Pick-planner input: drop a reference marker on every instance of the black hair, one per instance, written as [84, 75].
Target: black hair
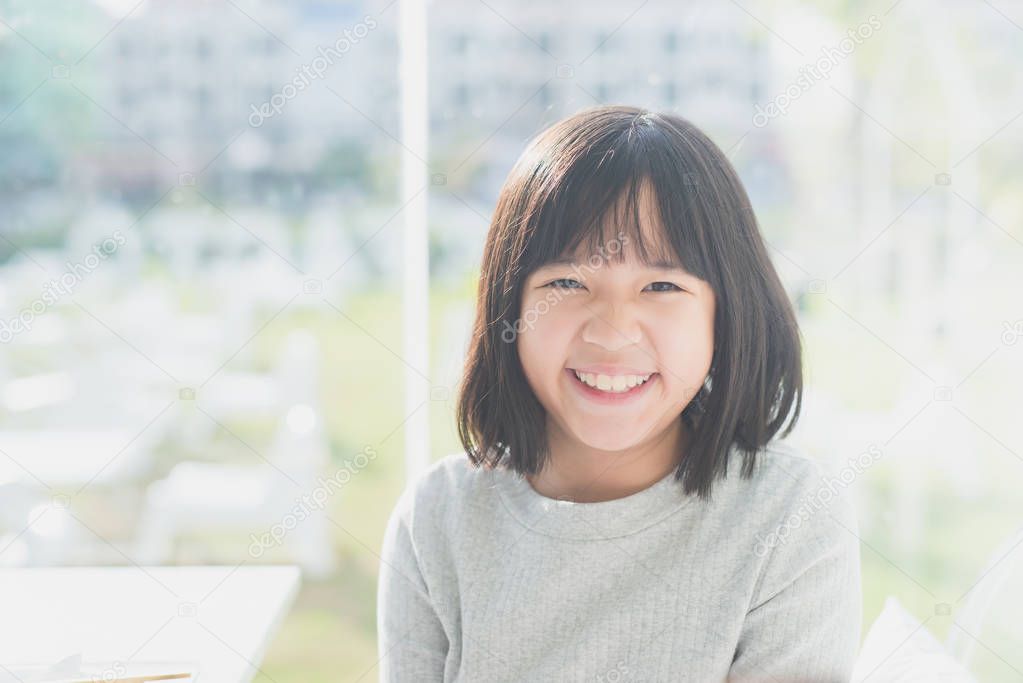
[559, 196]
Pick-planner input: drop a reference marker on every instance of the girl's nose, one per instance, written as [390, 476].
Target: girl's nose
[612, 326]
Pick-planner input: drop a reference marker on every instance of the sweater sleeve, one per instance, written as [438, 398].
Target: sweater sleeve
[411, 641]
[805, 617]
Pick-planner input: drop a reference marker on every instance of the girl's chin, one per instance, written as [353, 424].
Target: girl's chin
[607, 437]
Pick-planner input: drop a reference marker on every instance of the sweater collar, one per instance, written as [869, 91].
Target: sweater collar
[587, 521]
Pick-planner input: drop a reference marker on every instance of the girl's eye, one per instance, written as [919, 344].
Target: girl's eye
[670, 284]
[569, 283]
[559, 283]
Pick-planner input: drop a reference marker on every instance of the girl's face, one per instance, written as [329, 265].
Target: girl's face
[614, 322]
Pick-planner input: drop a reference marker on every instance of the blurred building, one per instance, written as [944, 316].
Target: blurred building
[188, 82]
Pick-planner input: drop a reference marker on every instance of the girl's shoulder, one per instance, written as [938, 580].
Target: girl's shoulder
[445, 487]
[783, 459]
[787, 480]
[780, 461]
[451, 475]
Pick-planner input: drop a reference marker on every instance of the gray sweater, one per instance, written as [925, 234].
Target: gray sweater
[484, 579]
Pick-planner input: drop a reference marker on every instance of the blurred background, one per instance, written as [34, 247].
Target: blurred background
[201, 270]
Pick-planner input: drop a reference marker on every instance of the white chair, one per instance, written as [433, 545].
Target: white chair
[991, 615]
[266, 501]
[985, 642]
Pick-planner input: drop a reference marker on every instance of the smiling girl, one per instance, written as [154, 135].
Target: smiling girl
[624, 510]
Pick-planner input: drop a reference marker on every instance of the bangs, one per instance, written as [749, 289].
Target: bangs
[615, 202]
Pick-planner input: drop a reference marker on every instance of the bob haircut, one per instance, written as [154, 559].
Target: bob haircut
[575, 180]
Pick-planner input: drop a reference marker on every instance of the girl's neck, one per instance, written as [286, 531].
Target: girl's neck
[583, 474]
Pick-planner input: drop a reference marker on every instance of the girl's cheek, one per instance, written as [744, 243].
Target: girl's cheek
[690, 350]
[544, 340]
[540, 312]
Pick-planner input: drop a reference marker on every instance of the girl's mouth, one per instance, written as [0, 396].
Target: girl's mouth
[610, 397]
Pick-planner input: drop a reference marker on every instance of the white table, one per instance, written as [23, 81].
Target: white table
[220, 617]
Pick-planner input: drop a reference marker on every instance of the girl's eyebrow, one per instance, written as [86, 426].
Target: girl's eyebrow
[564, 261]
[666, 265]
[658, 264]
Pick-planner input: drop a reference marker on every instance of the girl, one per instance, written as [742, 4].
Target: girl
[622, 511]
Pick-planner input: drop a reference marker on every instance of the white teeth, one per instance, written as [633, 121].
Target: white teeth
[612, 384]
